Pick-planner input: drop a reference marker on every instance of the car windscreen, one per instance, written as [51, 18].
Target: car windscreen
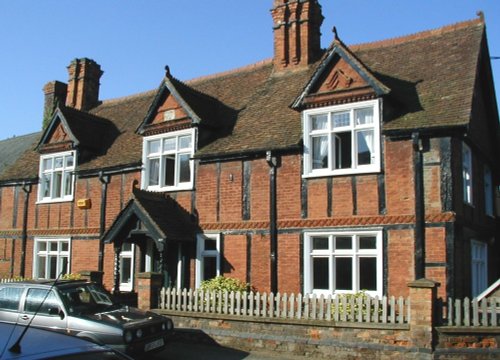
[86, 298]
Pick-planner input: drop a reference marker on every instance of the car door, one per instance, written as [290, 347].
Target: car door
[10, 298]
[44, 309]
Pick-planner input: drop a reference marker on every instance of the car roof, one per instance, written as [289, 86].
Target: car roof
[38, 343]
[45, 282]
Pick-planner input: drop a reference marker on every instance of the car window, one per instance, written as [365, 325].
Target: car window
[85, 299]
[10, 297]
[40, 301]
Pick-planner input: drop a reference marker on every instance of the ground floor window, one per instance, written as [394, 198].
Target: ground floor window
[207, 257]
[343, 262]
[51, 258]
[479, 270]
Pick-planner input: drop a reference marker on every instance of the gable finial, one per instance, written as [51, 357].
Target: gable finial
[335, 33]
[480, 14]
[167, 71]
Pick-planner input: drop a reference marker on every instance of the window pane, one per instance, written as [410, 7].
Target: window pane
[69, 161]
[210, 244]
[364, 116]
[185, 168]
[169, 144]
[46, 185]
[42, 246]
[126, 247]
[185, 142]
[58, 162]
[343, 273]
[154, 172]
[42, 260]
[56, 185]
[343, 242]
[367, 242]
[125, 270]
[52, 267]
[320, 274]
[367, 274]
[365, 147]
[53, 246]
[47, 164]
[320, 152]
[320, 243]
[154, 147]
[170, 170]
[63, 265]
[319, 122]
[343, 149]
[341, 119]
[209, 267]
[68, 184]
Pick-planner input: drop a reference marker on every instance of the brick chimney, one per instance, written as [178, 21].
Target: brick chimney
[83, 84]
[297, 33]
[55, 92]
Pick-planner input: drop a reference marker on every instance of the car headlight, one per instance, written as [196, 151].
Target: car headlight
[138, 333]
[128, 336]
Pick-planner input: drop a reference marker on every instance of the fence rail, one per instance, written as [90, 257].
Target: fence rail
[356, 309]
[472, 312]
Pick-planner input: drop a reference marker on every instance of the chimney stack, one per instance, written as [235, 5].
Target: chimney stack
[55, 92]
[83, 84]
[297, 33]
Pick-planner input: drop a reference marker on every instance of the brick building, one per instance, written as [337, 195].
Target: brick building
[321, 170]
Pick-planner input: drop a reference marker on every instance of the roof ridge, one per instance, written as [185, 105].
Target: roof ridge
[249, 67]
[126, 97]
[419, 35]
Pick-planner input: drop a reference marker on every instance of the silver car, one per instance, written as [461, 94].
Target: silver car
[85, 310]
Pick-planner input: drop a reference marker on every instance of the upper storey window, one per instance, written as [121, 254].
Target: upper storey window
[57, 177]
[167, 161]
[343, 139]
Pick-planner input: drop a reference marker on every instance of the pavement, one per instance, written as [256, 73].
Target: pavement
[186, 351]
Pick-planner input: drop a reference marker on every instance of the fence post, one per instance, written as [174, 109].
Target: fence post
[148, 290]
[423, 297]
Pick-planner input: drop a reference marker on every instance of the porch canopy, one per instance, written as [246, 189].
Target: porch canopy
[150, 217]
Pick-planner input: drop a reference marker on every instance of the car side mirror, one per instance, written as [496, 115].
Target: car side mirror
[56, 311]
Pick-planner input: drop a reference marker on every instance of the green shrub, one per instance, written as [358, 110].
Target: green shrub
[71, 277]
[352, 301]
[224, 283]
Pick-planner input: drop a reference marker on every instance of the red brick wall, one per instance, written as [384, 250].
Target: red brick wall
[400, 262]
[235, 257]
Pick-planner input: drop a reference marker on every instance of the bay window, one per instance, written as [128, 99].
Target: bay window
[167, 161]
[343, 262]
[343, 139]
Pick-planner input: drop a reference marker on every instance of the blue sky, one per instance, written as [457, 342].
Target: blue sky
[133, 40]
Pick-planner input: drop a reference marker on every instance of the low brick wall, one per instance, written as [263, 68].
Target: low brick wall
[467, 343]
[300, 338]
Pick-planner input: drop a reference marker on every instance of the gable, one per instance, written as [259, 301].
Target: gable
[340, 78]
[60, 134]
[169, 110]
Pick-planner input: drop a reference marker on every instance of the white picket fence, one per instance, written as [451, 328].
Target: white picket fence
[359, 309]
[473, 313]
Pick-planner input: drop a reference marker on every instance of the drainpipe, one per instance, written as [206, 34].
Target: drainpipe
[272, 161]
[419, 206]
[104, 179]
[24, 236]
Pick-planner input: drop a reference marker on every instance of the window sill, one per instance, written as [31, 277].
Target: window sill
[169, 189]
[346, 172]
[54, 201]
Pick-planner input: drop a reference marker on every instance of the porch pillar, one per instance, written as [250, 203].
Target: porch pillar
[116, 289]
[148, 290]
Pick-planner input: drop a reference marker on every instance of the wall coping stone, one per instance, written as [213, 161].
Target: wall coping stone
[423, 283]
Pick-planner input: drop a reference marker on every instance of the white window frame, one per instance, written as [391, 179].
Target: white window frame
[331, 254]
[201, 254]
[129, 254]
[331, 132]
[40, 254]
[489, 194]
[467, 177]
[161, 155]
[479, 267]
[64, 170]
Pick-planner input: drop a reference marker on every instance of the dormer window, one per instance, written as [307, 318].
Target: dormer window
[57, 177]
[343, 139]
[167, 161]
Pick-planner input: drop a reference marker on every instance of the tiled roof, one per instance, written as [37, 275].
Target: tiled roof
[18, 160]
[431, 76]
